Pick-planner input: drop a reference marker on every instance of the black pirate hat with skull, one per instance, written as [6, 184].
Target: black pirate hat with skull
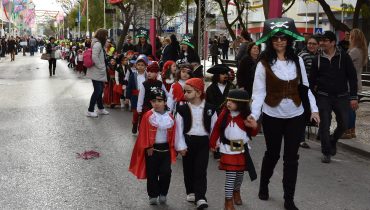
[279, 25]
[142, 32]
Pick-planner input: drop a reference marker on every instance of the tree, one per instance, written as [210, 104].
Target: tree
[166, 12]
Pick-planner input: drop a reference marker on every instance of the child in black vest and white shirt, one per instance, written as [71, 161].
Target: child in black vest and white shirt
[195, 121]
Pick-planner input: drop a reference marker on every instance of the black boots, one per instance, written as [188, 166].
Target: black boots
[289, 181]
[134, 128]
[268, 165]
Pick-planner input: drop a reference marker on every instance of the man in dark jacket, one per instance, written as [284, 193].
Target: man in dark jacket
[333, 78]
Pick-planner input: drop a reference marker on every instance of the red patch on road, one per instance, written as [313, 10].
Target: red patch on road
[88, 155]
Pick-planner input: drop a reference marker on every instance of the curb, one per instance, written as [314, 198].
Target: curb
[352, 146]
[355, 147]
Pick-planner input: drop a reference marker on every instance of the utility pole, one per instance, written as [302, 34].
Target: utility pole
[87, 19]
[317, 15]
[153, 27]
[104, 15]
[276, 7]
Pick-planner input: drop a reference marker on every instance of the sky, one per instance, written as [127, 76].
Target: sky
[51, 5]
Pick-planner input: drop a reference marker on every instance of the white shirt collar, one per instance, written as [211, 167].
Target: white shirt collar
[199, 106]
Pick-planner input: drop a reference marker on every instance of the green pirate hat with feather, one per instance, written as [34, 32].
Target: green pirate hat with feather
[187, 39]
[279, 25]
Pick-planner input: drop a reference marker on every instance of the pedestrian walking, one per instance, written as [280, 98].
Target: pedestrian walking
[359, 55]
[224, 45]
[12, 48]
[98, 73]
[243, 47]
[110, 97]
[154, 150]
[193, 126]
[276, 95]
[214, 52]
[247, 67]
[231, 136]
[333, 78]
[51, 48]
[32, 46]
[187, 54]
[308, 54]
[137, 77]
[151, 82]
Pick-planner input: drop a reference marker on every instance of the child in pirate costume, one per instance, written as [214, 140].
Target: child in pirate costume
[120, 75]
[194, 123]
[169, 74]
[231, 135]
[143, 103]
[137, 77]
[176, 94]
[154, 148]
[216, 93]
[110, 97]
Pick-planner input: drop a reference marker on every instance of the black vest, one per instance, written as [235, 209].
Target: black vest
[184, 111]
[148, 84]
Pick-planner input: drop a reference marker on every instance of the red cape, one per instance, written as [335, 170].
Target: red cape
[215, 135]
[145, 140]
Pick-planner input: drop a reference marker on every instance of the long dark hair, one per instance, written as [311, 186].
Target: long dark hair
[101, 35]
[269, 54]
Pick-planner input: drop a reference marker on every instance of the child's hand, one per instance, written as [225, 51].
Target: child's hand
[183, 152]
[150, 151]
[126, 101]
[250, 122]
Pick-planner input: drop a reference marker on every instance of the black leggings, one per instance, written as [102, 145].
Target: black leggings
[52, 66]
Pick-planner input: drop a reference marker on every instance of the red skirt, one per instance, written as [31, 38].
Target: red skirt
[80, 66]
[232, 162]
[110, 97]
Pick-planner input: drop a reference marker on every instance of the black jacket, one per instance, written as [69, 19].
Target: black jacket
[191, 57]
[215, 97]
[145, 49]
[245, 74]
[334, 78]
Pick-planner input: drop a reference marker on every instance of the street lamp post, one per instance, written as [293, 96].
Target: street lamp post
[153, 28]
[87, 19]
[247, 3]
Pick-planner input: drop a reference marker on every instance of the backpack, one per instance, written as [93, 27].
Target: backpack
[87, 58]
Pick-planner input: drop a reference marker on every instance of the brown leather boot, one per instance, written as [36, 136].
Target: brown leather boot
[347, 134]
[353, 132]
[237, 198]
[229, 205]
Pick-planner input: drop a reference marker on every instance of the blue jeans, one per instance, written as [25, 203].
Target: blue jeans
[97, 95]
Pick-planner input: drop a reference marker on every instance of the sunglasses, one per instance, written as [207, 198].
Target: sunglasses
[282, 38]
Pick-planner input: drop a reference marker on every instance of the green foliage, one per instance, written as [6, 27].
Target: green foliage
[365, 11]
[171, 7]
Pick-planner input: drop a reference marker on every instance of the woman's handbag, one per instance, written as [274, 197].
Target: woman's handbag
[118, 89]
[45, 56]
[58, 54]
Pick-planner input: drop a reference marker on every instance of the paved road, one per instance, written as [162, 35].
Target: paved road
[43, 126]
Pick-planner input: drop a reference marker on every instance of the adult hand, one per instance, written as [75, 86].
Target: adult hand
[123, 87]
[126, 101]
[315, 117]
[150, 151]
[354, 104]
[250, 122]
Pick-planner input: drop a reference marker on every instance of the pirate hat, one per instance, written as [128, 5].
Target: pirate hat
[142, 32]
[157, 93]
[219, 69]
[198, 71]
[187, 39]
[279, 25]
[238, 95]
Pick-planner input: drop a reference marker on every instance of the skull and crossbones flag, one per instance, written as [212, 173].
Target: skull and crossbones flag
[279, 25]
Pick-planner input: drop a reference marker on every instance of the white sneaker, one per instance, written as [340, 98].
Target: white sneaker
[162, 199]
[91, 114]
[102, 112]
[152, 201]
[201, 204]
[190, 197]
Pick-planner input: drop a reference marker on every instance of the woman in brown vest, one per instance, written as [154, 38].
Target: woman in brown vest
[275, 96]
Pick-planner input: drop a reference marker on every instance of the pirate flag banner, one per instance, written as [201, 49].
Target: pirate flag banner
[142, 32]
[279, 25]
[187, 39]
